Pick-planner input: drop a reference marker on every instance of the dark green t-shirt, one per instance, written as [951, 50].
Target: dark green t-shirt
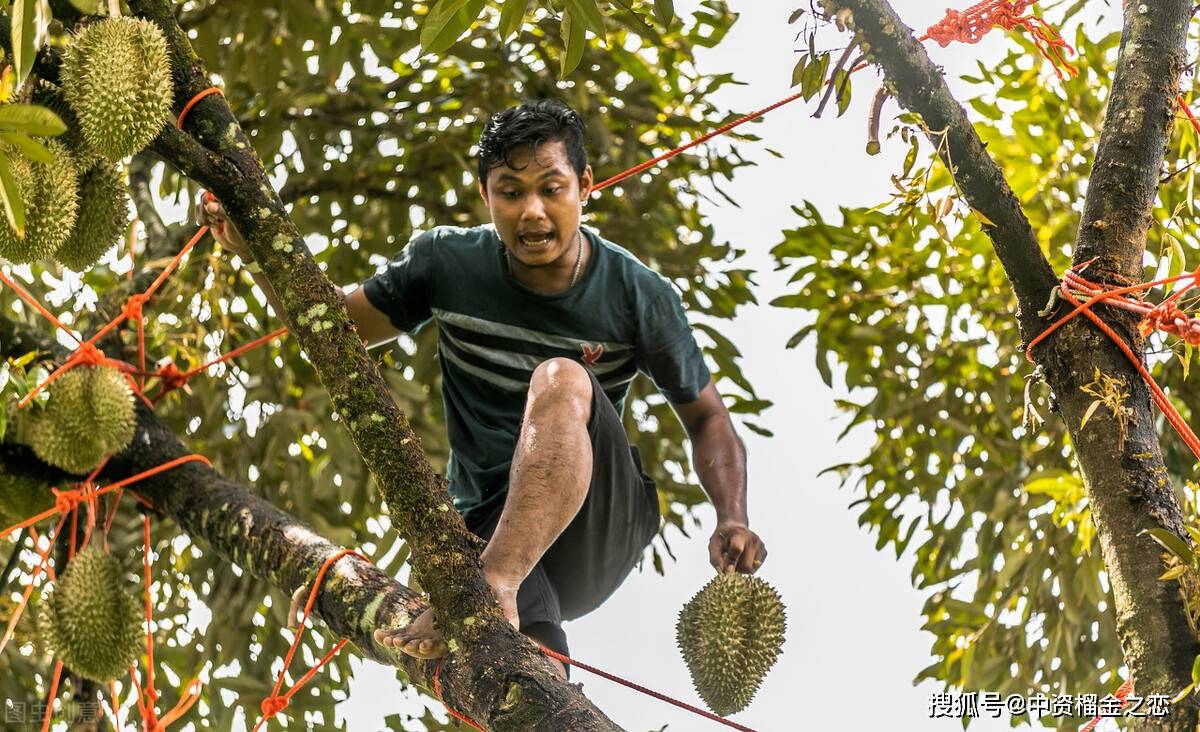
[619, 319]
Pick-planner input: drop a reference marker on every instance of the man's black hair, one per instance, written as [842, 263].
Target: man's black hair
[528, 126]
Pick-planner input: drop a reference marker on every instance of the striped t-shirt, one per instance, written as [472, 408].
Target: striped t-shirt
[619, 318]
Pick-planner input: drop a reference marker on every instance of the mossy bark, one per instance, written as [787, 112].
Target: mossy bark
[1128, 487]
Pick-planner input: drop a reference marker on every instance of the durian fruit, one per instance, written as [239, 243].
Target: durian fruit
[116, 74]
[53, 99]
[48, 191]
[103, 215]
[89, 415]
[90, 619]
[22, 497]
[730, 635]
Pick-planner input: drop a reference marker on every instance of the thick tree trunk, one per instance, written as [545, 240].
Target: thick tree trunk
[1128, 487]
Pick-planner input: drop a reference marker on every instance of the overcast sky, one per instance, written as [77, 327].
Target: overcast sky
[854, 642]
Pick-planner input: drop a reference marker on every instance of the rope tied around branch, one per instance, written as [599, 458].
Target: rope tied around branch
[972, 24]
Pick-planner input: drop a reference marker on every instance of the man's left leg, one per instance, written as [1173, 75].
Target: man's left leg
[551, 471]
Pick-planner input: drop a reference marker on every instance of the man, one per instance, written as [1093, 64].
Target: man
[542, 325]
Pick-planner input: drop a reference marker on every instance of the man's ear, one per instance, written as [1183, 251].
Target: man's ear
[483, 193]
[585, 184]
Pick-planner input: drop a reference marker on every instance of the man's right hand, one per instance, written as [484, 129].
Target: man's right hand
[209, 212]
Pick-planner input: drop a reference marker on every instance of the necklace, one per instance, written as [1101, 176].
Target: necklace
[578, 259]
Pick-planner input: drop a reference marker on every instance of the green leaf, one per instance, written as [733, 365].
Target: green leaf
[446, 22]
[87, 7]
[24, 32]
[1196, 670]
[575, 40]
[1174, 572]
[587, 11]
[30, 119]
[1090, 411]
[29, 147]
[1175, 258]
[511, 17]
[1171, 543]
[14, 209]
[813, 77]
[664, 10]
[798, 70]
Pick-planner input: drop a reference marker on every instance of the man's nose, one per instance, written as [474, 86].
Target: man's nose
[534, 210]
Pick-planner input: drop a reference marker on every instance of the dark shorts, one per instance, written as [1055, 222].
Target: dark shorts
[601, 545]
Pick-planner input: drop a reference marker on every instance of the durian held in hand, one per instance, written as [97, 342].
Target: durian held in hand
[91, 618]
[730, 634]
[89, 414]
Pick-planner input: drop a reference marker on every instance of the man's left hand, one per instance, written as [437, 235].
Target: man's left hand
[735, 548]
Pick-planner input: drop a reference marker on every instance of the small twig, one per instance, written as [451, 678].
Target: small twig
[830, 87]
[873, 121]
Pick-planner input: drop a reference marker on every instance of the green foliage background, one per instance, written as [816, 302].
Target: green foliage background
[908, 305]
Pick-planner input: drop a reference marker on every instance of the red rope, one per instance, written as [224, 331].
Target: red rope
[972, 24]
[1151, 318]
[687, 146]
[1123, 693]
[193, 101]
[437, 689]
[49, 714]
[191, 693]
[43, 566]
[276, 702]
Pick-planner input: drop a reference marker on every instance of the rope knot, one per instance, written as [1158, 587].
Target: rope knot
[133, 306]
[66, 501]
[171, 377]
[273, 705]
[972, 24]
[88, 354]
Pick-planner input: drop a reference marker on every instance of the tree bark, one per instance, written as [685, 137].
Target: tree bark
[1127, 483]
[489, 661]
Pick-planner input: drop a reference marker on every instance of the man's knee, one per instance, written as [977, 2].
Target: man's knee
[561, 383]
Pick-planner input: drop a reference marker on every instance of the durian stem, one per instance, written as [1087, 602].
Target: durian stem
[114, 8]
[12, 560]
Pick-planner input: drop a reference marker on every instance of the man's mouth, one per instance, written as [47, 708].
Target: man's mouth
[536, 239]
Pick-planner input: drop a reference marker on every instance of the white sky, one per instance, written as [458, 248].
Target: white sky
[854, 642]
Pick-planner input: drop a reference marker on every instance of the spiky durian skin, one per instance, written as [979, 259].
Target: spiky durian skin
[89, 415]
[103, 216]
[117, 76]
[731, 634]
[22, 497]
[53, 99]
[90, 620]
[48, 191]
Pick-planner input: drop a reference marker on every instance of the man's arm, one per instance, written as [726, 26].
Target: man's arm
[719, 458]
[374, 326]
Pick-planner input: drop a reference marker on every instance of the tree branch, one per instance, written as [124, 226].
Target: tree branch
[920, 86]
[143, 200]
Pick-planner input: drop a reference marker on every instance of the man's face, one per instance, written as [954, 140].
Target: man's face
[536, 206]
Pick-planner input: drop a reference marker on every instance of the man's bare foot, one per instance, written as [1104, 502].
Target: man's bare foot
[422, 639]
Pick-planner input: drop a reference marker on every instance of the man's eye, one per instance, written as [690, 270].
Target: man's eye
[552, 191]
[510, 194]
